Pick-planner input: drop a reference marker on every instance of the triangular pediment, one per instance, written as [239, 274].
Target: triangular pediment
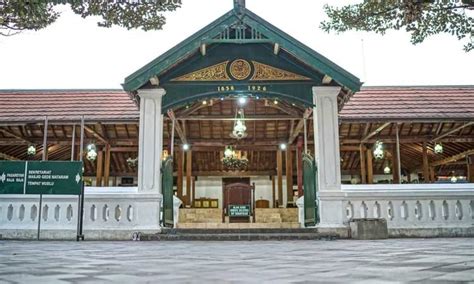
[240, 69]
[244, 28]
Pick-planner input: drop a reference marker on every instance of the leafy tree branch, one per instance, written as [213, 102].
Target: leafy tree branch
[421, 18]
[18, 15]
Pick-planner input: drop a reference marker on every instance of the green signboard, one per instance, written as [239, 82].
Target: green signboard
[34, 177]
[239, 210]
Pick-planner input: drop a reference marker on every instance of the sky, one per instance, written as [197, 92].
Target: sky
[74, 53]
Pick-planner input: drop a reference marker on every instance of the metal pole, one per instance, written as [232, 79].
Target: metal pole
[172, 137]
[398, 155]
[305, 137]
[80, 199]
[81, 149]
[39, 215]
[45, 149]
[45, 138]
[73, 141]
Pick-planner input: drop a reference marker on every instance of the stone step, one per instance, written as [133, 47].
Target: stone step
[220, 225]
[249, 234]
[238, 237]
[173, 231]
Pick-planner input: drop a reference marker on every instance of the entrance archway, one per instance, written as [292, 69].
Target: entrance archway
[240, 55]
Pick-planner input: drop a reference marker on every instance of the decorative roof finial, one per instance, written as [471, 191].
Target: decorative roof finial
[239, 4]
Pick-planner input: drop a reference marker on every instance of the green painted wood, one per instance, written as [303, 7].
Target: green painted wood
[167, 189]
[191, 46]
[303, 52]
[178, 53]
[310, 188]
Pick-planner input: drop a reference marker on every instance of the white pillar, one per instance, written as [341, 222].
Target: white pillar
[150, 141]
[327, 155]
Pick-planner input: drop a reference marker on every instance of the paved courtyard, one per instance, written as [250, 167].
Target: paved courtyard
[428, 260]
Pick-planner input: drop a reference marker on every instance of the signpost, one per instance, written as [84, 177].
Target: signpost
[239, 210]
[35, 177]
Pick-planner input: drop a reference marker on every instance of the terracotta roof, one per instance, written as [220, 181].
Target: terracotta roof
[66, 105]
[411, 103]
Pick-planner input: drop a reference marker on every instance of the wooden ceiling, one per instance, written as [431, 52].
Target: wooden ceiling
[206, 127]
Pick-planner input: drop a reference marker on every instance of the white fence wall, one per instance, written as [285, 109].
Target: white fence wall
[109, 213]
[446, 208]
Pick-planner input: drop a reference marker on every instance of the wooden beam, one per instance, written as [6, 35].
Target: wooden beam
[363, 166]
[289, 173]
[395, 167]
[123, 149]
[233, 174]
[192, 109]
[9, 133]
[300, 126]
[406, 140]
[470, 169]
[453, 158]
[432, 174]
[179, 182]
[284, 108]
[99, 168]
[274, 193]
[189, 169]
[375, 132]
[257, 117]
[177, 127]
[107, 166]
[370, 167]
[299, 165]
[4, 156]
[437, 138]
[426, 165]
[280, 178]
[193, 188]
[96, 134]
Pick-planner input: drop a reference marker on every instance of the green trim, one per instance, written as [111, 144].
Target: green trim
[191, 45]
[303, 52]
[178, 53]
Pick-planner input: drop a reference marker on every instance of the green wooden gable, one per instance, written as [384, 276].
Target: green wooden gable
[240, 53]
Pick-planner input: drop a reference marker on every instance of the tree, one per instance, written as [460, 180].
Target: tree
[421, 18]
[19, 15]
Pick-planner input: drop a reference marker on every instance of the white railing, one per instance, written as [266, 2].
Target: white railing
[409, 206]
[109, 213]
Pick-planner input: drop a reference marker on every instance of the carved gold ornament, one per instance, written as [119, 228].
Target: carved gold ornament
[212, 73]
[265, 72]
[240, 69]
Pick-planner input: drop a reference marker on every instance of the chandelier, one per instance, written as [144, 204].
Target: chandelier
[239, 126]
[438, 148]
[378, 150]
[234, 160]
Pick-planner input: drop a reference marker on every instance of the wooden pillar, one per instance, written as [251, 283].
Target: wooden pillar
[289, 174]
[432, 174]
[426, 164]
[179, 182]
[363, 166]
[299, 165]
[189, 169]
[273, 192]
[194, 192]
[99, 167]
[280, 178]
[395, 167]
[370, 167]
[470, 168]
[107, 165]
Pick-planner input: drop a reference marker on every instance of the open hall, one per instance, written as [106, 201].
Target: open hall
[241, 126]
